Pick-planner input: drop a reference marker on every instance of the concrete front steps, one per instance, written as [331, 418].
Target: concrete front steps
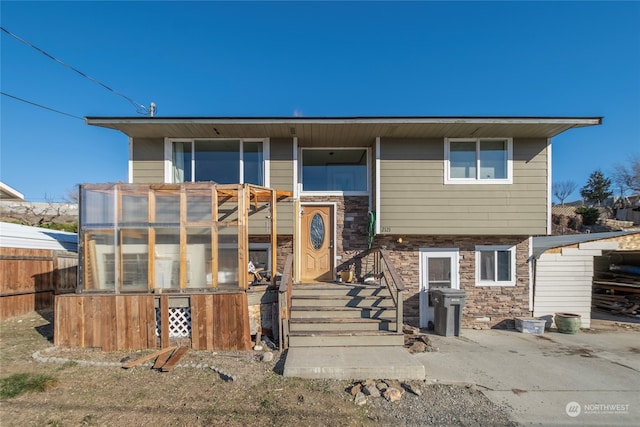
[342, 315]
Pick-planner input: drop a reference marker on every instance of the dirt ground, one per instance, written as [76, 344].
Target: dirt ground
[102, 393]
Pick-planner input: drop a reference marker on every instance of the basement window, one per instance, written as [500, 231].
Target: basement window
[495, 265]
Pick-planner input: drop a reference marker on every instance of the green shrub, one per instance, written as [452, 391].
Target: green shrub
[589, 214]
[23, 383]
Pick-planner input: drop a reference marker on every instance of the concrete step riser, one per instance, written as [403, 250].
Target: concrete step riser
[347, 313]
[299, 326]
[339, 341]
[341, 302]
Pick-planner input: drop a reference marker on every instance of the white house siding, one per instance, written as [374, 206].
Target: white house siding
[563, 280]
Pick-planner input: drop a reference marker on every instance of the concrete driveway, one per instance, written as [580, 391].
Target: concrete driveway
[587, 379]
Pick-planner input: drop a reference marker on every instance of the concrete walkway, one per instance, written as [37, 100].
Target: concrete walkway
[345, 363]
[587, 379]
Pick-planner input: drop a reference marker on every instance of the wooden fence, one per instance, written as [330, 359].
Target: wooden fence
[219, 321]
[29, 279]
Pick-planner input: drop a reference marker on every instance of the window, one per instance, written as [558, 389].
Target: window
[495, 265]
[478, 161]
[225, 161]
[335, 170]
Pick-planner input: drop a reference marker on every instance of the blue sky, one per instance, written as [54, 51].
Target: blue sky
[314, 59]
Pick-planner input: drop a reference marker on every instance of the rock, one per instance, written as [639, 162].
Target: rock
[410, 330]
[395, 384]
[382, 386]
[355, 389]
[368, 382]
[360, 399]
[418, 347]
[411, 389]
[371, 390]
[425, 339]
[392, 394]
[267, 356]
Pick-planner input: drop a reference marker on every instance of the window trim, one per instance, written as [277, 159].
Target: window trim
[447, 162]
[333, 193]
[495, 248]
[168, 157]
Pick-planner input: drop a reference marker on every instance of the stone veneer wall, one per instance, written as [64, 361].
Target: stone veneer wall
[486, 306]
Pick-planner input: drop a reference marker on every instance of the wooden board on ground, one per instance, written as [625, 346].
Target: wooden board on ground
[162, 359]
[174, 359]
[153, 355]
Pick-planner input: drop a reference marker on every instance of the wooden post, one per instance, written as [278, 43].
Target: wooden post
[274, 238]
[151, 256]
[214, 236]
[183, 237]
[243, 235]
[164, 321]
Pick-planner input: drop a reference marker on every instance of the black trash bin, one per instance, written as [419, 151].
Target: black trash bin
[448, 311]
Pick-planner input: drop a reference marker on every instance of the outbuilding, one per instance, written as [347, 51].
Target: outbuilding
[564, 268]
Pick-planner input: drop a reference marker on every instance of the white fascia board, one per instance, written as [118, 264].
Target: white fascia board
[576, 121]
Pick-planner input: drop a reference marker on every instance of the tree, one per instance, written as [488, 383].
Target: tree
[628, 176]
[597, 188]
[563, 189]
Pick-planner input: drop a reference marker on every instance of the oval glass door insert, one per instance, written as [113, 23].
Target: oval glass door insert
[317, 231]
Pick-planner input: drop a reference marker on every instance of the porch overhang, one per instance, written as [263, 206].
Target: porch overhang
[342, 130]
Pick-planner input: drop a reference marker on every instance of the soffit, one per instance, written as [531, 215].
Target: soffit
[341, 131]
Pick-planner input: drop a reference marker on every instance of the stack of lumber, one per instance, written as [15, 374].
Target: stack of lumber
[626, 305]
[619, 277]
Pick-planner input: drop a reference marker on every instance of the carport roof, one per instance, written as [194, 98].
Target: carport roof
[544, 243]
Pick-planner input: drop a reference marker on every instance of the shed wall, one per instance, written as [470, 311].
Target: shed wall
[564, 281]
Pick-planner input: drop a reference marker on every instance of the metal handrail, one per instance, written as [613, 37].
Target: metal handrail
[284, 302]
[395, 282]
[384, 270]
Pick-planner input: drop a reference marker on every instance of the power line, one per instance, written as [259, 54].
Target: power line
[41, 106]
[140, 109]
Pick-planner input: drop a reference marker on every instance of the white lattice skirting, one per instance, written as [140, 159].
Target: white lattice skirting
[179, 322]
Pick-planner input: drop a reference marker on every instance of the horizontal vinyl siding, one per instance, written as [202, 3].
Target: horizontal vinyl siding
[415, 200]
[281, 165]
[563, 284]
[148, 160]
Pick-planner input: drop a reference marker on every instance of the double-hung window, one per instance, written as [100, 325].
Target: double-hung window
[495, 265]
[335, 171]
[478, 160]
[224, 161]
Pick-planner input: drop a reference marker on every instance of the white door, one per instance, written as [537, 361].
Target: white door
[438, 269]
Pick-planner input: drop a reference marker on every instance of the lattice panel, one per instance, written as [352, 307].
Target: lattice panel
[179, 322]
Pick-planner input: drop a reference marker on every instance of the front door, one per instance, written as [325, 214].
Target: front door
[316, 261]
[438, 269]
